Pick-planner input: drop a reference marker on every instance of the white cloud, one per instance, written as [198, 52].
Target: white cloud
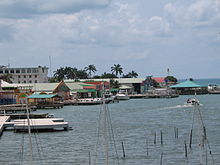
[201, 13]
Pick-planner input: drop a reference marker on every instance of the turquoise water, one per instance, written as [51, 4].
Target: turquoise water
[134, 122]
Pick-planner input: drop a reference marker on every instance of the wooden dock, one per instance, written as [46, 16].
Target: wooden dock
[41, 124]
[24, 115]
[14, 108]
[3, 120]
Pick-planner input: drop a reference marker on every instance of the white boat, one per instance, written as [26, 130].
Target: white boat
[122, 95]
[191, 102]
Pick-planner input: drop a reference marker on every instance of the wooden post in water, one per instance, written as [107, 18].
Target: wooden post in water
[89, 159]
[161, 159]
[147, 147]
[185, 149]
[155, 138]
[122, 144]
[190, 139]
[177, 133]
[161, 137]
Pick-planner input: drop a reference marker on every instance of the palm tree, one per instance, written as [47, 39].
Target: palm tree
[131, 74]
[117, 69]
[91, 68]
[59, 74]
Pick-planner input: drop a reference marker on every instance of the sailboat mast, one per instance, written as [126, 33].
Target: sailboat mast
[29, 133]
[105, 125]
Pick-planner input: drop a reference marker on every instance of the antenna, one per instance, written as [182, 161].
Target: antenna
[50, 66]
[168, 71]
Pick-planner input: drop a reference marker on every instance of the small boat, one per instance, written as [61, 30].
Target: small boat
[122, 95]
[192, 102]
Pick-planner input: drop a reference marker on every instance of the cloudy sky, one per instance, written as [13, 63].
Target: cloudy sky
[147, 36]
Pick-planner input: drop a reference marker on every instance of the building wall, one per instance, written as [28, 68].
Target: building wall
[26, 75]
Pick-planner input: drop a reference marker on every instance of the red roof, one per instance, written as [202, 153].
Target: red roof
[159, 79]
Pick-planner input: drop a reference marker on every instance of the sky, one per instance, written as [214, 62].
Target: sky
[146, 36]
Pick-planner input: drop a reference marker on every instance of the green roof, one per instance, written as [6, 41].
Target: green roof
[42, 96]
[186, 84]
[114, 90]
[85, 90]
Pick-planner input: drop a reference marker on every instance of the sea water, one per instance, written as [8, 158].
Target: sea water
[134, 123]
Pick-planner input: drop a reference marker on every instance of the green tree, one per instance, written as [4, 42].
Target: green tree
[90, 68]
[114, 83]
[131, 74]
[108, 75]
[59, 74]
[117, 69]
[170, 79]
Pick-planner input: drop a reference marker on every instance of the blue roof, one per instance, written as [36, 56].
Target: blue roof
[186, 84]
[41, 96]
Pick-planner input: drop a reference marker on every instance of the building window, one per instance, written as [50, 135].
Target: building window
[6, 71]
[35, 70]
[1, 71]
[19, 82]
[23, 71]
[29, 76]
[30, 81]
[35, 76]
[19, 76]
[35, 81]
[24, 76]
[24, 81]
[29, 71]
[12, 71]
[17, 71]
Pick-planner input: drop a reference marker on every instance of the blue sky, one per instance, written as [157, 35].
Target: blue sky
[145, 36]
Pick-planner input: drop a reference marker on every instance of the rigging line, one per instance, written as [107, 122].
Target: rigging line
[36, 139]
[112, 132]
[98, 133]
[111, 142]
[203, 126]
[22, 148]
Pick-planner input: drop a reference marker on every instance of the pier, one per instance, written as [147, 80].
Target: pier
[15, 108]
[41, 124]
[21, 125]
[3, 120]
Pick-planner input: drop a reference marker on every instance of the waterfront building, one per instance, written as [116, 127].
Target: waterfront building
[26, 75]
[189, 88]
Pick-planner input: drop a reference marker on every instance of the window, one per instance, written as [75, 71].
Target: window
[29, 76]
[19, 76]
[12, 71]
[35, 76]
[35, 81]
[6, 71]
[24, 76]
[35, 70]
[17, 71]
[23, 71]
[1, 71]
[19, 82]
[29, 71]
[24, 81]
[30, 81]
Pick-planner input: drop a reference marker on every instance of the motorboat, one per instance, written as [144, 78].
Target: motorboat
[192, 102]
[122, 95]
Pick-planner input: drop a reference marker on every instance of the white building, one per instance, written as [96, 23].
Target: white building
[26, 75]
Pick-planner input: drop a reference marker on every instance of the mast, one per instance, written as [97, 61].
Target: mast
[105, 125]
[29, 133]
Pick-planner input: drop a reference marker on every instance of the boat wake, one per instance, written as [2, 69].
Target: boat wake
[177, 106]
